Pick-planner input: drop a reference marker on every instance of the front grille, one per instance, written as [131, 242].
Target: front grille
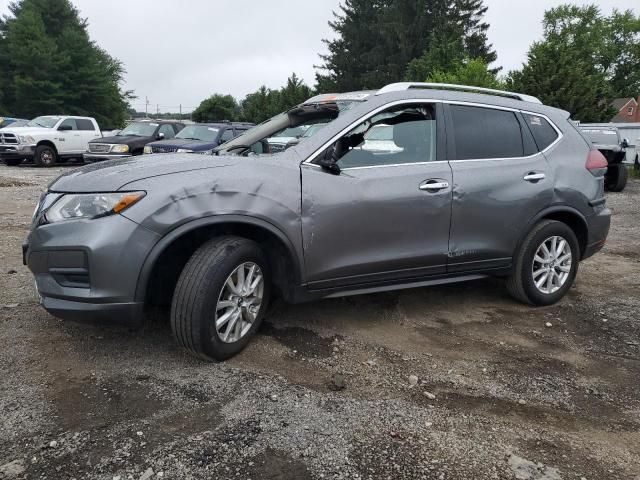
[99, 147]
[155, 149]
[8, 139]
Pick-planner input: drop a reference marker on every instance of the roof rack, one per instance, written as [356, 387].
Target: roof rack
[398, 87]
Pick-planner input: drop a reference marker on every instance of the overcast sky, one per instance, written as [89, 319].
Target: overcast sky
[179, 52]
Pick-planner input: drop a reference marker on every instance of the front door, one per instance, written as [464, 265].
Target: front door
[385, 216]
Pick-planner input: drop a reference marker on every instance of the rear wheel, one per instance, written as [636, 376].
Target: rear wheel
[45, 156]
[616, 177]
[220, 298]
[546, 265]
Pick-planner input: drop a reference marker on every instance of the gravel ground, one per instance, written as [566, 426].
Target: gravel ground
[451, 382]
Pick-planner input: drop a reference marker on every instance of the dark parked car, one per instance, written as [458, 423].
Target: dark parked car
[479, 185]
[131, 140]
[607, 140]
[199, 137]
[14, 122]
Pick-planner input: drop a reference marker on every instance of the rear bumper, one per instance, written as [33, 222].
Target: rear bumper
[598, 227]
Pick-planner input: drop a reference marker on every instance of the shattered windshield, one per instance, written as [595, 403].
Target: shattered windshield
[288, 129]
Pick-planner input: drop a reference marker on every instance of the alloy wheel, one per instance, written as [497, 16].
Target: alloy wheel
[552, 264]
[239, 302]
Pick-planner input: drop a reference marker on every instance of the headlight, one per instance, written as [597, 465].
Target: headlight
[120, 148]
[184, 150]
[27, 139]
[147, 149]
[91, 205]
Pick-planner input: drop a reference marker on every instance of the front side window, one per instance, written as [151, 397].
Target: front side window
[226, 135]
[543, 133]
[400, 135]
[69, 122]
[167, 130]
[486, 133]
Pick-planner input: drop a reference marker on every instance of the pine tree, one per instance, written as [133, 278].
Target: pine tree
[377, 40]
[50, 65]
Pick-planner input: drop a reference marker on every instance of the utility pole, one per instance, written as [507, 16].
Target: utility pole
[157, 109]
[146, 107]
[180, 111]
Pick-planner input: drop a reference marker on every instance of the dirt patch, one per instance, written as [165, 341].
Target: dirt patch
[453, 382]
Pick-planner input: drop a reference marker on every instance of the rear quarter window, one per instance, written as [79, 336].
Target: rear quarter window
[543, 133]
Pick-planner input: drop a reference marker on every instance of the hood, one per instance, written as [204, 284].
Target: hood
[24, 131]
[195, 145]
[131, 140]
[112, 175]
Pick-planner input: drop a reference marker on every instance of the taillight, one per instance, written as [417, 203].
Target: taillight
[596, 163]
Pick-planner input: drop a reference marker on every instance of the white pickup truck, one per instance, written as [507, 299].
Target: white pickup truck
[47, 140]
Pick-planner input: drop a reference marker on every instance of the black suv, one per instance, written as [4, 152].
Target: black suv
[131, 140]
[614, 149]
[199, 138]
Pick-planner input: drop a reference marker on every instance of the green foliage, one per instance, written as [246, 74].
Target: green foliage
[216, 108]
[469, 72]
[48, 65]
[378, 40]
[584, 61]
[265, 103]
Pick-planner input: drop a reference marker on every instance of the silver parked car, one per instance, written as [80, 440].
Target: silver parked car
[479, 183]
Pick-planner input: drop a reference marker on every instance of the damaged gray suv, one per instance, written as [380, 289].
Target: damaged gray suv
[466, 184]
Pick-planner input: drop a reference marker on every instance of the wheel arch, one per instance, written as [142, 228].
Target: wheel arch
[47, 143]
[567, 215]
[165, 261]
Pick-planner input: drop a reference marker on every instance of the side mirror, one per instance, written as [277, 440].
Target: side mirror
[625, 143]
[64, 128]
[160, 136]
[222, 141]
[327, 162]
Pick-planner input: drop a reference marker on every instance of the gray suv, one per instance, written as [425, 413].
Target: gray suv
[474, 184]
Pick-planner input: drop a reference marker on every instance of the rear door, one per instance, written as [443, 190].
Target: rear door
[86, 132]
[501, 181]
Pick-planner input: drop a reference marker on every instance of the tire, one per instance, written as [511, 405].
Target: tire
[521, 283]
[203, 283]
[616, 178]
[45, 156]
[14, 162]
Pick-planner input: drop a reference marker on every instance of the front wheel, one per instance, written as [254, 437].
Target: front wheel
[45, 156]
[220, 298]
[546, 265]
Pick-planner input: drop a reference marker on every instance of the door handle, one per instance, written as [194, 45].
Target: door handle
[534, 177]
[433, 185]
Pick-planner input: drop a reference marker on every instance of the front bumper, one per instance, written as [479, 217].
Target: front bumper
[16, 152]
[100, 157]
[88, 269]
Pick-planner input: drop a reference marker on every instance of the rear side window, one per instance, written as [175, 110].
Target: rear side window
[482, 133]
[84, 124]
[543, 133]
